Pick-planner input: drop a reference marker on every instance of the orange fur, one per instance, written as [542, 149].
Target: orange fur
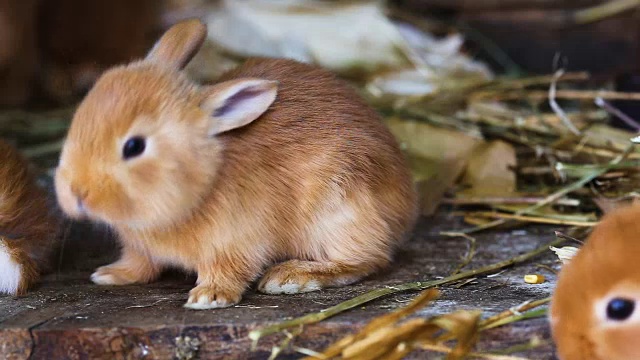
[317, 179]
[27, 229]
[604, 267]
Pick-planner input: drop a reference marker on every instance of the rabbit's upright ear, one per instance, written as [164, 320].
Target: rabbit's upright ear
[179, 44]
[236, 103]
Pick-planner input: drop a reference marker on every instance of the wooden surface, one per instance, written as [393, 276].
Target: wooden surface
[67, 317]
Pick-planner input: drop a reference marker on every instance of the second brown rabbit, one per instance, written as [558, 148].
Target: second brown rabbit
[280, 162]
[28, 227]
[594, 310]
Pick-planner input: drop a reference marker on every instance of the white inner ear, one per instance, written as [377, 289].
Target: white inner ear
[236, 103]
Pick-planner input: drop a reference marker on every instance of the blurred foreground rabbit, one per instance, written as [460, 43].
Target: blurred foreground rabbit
[28, 228]
[595, 310]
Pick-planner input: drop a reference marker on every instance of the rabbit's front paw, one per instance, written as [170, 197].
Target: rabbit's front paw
[208, 296]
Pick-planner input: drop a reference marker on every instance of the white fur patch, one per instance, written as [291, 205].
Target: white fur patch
[333, 218]
[203, 303]
[10, 271]
[102, 279]
[274, 287]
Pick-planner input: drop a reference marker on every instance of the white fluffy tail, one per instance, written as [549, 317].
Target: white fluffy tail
[10, 271]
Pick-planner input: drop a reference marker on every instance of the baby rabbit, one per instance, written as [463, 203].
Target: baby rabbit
[279, 162]
[27, 228]
[593, 310]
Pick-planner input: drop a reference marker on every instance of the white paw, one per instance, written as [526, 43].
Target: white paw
[211, 297]
[274, 286]
[204, 303]
[101, 278]
[10, 271]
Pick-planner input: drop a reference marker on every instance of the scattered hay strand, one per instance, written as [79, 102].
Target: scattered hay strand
[532, 219]
[313, 318]
[389, 336]
[603, 11]
[553, 197]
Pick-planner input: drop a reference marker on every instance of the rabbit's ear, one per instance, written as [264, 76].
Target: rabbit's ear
[179, 44]
[236, 103]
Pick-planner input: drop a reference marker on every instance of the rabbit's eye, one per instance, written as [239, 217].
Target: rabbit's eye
[133, 147]
[620, 309]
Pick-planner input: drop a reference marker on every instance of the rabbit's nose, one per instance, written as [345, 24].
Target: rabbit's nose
[80, 205]
[80, 197]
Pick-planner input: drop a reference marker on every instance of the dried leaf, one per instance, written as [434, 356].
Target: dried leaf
[368, 342]
[385, 338]
[433, 179]
[437, 157]
[380, 341]
[489, 171]
[417, 303]
[431, 142]
[462, 325]
[565, 253]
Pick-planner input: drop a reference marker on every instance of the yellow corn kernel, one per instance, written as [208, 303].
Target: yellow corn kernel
[534, 279]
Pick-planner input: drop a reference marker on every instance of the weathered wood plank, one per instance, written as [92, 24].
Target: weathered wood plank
[67, 317]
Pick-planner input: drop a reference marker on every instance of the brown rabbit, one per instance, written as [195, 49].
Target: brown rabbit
[79, 41]
[18, 50]
[56, 49]
[280, 161]
[594, 310]
[27, 228]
